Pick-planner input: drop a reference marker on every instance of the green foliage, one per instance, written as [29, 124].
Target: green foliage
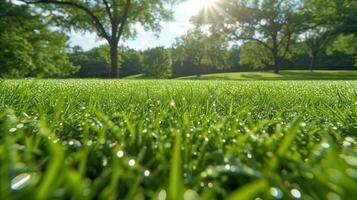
[274, 24]
[92, 62]
[346, 44]
[106, 139]
[132, 62]
[15, 60]
[197, 52]
[254, 54]
[111, 20]
[157, 63]
[29, 47]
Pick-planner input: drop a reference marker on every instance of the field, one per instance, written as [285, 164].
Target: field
[178, 139]
[283, 75]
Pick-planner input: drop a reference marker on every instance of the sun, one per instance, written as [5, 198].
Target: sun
[198, 5]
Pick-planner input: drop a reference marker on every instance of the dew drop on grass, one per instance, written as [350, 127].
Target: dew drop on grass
[352, 172]
[154, 135]
[162, 195]
[227, 167]
[346, 143]
[131, 162]
[20, 181]
[295, 193]
[349, 139]
[325, 145]
[276, 192]
[303, 124]
[191, 195]
[12, 130]
[172, 103]
[210, 185]
[89, 143]
[104, 161]
[167, 145]
[19, 126]
[146, 173]
[120, 154]
[351, 160]
[333, 196]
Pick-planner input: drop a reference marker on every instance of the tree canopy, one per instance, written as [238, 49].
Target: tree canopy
[111, 20]
[29, 47]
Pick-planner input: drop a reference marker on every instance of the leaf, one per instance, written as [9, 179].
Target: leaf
[176, 182]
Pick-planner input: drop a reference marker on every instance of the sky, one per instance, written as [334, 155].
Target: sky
[170, 30]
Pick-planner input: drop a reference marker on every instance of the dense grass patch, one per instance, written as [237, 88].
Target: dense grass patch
[91, 139]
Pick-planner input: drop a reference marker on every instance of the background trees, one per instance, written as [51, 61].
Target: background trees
[273, 24]
[197, 53]
[111, 20]
[157, 63]
[232, 35]
[29, 47]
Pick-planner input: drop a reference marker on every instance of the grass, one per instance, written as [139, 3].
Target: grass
[147, 139]
[283, 75]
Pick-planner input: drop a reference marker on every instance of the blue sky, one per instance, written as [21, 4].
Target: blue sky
[170, 30]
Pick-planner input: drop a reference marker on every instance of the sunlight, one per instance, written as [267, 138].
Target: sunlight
[197, 5]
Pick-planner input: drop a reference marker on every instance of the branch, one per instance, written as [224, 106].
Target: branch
[107, 8]
[286, 47]
[124, 18]
[96, 20]
[252, 39]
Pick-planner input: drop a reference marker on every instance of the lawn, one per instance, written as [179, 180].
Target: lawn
[283, 75]
[175, 139]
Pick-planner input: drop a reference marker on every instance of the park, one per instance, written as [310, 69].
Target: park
[178, 99]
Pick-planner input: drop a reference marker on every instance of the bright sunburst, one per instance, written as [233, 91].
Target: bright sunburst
[197, 5]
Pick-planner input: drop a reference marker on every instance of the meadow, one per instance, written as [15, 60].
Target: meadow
[283, 75]
[178, 139]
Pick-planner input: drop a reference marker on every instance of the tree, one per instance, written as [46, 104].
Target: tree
[111, 20]
[315, 41]
[234, 58]
[346, 44]
[273, 24]
[29, 47]
[199, 50]
[254, 55]
[320, 31]
[94, 63]
[132, 62]
[341, 14]
[157, 63]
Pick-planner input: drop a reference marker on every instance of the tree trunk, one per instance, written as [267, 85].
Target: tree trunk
[313, 62]
[114, 69]
[276, 63]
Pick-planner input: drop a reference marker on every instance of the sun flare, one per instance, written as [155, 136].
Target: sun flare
[198, 5]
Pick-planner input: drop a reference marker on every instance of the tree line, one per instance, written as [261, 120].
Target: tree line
[230, 35]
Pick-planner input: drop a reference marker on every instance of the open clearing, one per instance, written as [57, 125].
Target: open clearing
[149, 139]
[283, 75]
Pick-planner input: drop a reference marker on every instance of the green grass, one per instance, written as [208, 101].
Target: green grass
[147, 139]
[283, 75]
